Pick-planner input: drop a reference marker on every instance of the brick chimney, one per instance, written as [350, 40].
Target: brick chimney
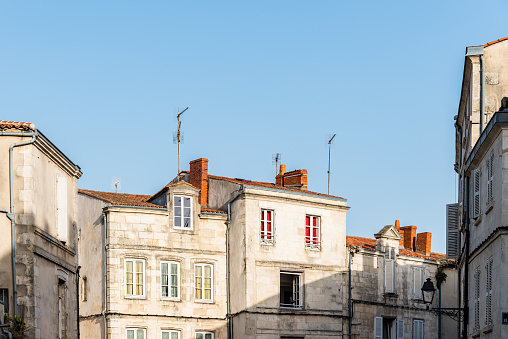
[401, 232]
[294, 179]
[423, 242]
[199, 178]
[409, 237]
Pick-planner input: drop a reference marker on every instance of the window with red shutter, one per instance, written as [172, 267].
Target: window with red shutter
[267, 236]
[312, 232]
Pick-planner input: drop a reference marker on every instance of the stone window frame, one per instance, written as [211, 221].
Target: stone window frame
[267, 237]
[171, 331]
[203, 335]
[202, 288]
[170, 262]
[313, 242]
[135, 296]
[299, 301]
[182, 209]
[135, 329]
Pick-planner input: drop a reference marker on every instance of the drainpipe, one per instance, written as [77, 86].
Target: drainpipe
[104, 258]
[228, 280]
[10, 214]
[466, 266]
[77, 296]
[351, 255]
[482, 93]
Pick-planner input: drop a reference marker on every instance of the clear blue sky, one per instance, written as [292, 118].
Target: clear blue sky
[104, 80]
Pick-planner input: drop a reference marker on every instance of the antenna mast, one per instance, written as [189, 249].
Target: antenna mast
[177, 138]
[275, 160]
[329, 155]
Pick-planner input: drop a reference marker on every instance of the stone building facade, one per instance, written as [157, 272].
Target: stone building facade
[38, 189]
[477, 232]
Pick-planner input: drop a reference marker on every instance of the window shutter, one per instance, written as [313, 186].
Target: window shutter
[452, 231]
[400, 329]
[417, 283]
[490, 176]
[378, 328]
[389, 276]
[476, 193]
[61, 207]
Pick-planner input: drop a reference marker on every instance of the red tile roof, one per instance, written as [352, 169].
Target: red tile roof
[16, 125]
[494, 42]
[122, 199]
[268, 185]
[370, 244]
[209, 210]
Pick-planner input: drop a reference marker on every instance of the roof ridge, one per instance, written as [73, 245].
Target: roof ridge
[494, 42]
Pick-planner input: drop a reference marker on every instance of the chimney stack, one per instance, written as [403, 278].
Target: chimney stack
[423, 242]
[401, 232]
[409, 237]
[294, 179]
[199, 178]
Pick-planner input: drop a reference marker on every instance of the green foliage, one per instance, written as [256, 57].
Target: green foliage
[18, 328]
[440, 277]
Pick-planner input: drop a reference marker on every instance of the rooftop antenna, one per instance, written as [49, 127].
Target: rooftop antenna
[329, 155]
[178, 137]
[116, 184]
[275, 160]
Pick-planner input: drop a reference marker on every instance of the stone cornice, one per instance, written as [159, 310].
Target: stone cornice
[51, 151]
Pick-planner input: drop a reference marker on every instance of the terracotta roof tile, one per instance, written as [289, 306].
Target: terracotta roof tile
[17, 125]
[370, 244]
[122, 199]
[268, 185]
[494, 42]
[209, 210]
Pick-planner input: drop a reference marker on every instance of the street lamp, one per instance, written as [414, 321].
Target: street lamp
[428, 291]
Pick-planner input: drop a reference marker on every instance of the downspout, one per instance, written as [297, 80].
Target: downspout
[351, 255]
[482, 93]
[10, 214]
[466, 266]
[104, 258]
[77, 297]
[228, 280]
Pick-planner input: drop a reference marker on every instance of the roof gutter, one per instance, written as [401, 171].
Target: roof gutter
[10, 214]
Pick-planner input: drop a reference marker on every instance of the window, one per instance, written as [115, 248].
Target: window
[490, 177]
[203, 282]
[183, 212]
[170, 334]
[488, 293]
[136, 333]
[290, 290]
[62, 312]
[390, 270]
[4, 296]
[388, 327]
[267, 227]
[134, 277]
[417, 329]
[61, 207]
[312, 232]
[476, 193]
[204, 335]
[170, 280]
[477, 299]
[417, 282]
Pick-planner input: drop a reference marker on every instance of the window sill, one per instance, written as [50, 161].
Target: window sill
[266, 243]
[478, 220]
[476, 334]
[317, 249]
[169, 299]
[490, 206]
[203, 301]
[289, 308]
[135, 297]
[183, 228]
[488, 329]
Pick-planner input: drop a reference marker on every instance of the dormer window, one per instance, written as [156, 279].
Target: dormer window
[182, 206]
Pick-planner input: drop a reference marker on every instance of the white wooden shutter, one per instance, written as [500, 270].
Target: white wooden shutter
[389, 276]
[417, 329]
[400, 329]
[490, 177]
[452, 231]
[378, 328]
[61, 207]
[476, 193]
[417, 282]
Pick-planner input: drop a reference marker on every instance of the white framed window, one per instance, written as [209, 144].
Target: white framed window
[267, 227]
[312, 232]
[170, 334]
[204, 335]
[203, 282]
[391, 327]
[170, 280]
[136, 333]
[390, 270]
[182, 208]
[291, 290]
[418, 329]
[488, 293]
[417, 282]
[477, 299]
[61, 208]
[490, 177]
[134, 278]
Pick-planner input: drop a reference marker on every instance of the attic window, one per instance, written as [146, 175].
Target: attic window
[182, 207]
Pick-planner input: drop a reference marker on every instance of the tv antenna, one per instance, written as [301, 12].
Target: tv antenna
[329, 156]
[116, 184]
[275, 160]
[178, 135]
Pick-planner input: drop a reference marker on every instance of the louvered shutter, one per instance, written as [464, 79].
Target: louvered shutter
[476, 193]
[452, 231]
[417, 283]
[61, 207]
[389, 276]
[378, 328]
[490, 177]
[400, 329]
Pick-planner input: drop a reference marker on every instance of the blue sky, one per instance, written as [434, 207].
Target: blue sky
[104, 81]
